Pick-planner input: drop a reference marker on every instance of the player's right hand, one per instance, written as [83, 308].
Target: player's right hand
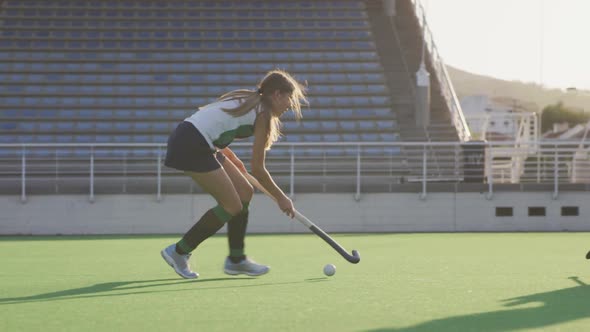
[286, 205]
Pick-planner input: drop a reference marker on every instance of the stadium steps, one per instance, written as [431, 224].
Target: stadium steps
[399, 48]
[408, 32]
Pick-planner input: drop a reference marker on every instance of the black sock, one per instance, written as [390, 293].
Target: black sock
[236, 232]
[209, 224]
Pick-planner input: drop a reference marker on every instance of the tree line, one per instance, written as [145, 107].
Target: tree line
[558, 113]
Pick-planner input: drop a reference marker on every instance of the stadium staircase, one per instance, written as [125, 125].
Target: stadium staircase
[399, 44]
[400, 47]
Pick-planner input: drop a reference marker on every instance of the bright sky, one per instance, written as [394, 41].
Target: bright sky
[540, 41]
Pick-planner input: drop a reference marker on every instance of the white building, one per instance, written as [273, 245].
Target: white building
[488, 119]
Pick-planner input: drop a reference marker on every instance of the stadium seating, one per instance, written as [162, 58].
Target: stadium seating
[127, 71]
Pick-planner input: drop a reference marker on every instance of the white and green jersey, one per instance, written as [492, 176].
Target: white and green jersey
[219, 127]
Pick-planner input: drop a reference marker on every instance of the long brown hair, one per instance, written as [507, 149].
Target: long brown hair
[261, 99]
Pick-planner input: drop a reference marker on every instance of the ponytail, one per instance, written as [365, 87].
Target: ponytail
[257, 99]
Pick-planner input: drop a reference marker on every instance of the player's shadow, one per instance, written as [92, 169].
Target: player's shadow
[554, 307]
[116, 288]
[122, 288]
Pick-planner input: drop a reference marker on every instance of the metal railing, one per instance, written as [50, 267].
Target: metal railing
[442, 75]
[357, 168]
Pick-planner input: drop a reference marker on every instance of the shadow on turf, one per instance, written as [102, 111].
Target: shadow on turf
[316, 279]
[103, 288]
[554, 307]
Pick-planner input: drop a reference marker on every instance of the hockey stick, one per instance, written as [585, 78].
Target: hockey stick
[354, 258]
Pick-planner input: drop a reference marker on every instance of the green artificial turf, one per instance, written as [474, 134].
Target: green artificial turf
[404, 282]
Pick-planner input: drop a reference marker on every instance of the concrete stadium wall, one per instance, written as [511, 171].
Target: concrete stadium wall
[398, 212]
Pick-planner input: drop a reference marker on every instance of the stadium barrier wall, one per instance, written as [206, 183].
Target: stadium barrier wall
[387, 212]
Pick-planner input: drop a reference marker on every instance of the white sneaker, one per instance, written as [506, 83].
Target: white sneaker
[178, 262]
[246, 266]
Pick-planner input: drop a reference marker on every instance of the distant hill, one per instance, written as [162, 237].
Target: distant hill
[526, 96]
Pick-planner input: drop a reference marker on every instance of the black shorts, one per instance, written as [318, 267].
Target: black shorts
[188, 151]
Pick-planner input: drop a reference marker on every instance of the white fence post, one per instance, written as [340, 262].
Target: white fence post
[424, 172]
[292, 175]
[556, 174]
[159, 194]
[357, 196]
[23, 192]
[91, 196]
[56, 172]
[488, 157]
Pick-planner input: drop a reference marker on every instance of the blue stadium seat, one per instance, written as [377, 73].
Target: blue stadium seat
[141, 126]
[8, 139]
[324, 114]
[386, 124]
[122, 139]
[81, 153]
[373, 151]
[142, 139]
[123, 126]
[359, 101]
[25, 139]
[291, 125]
[350, 137]
[162, 127]
[344, 113]
[83, 139]
[347, 125]
[382, 112]
[392, 150]
[103, 138]
[376, 88]
[278, 151]
[104, 126]
[159, 138]
[370, 137]
[311, 138]
[143, 153]
[388, 137]
[310, 125]
[367, 124]
[292, 138]
[329, 125]
[9, 125]
[333, 151]
[65, 126]
[331, 138]
[84, 126]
